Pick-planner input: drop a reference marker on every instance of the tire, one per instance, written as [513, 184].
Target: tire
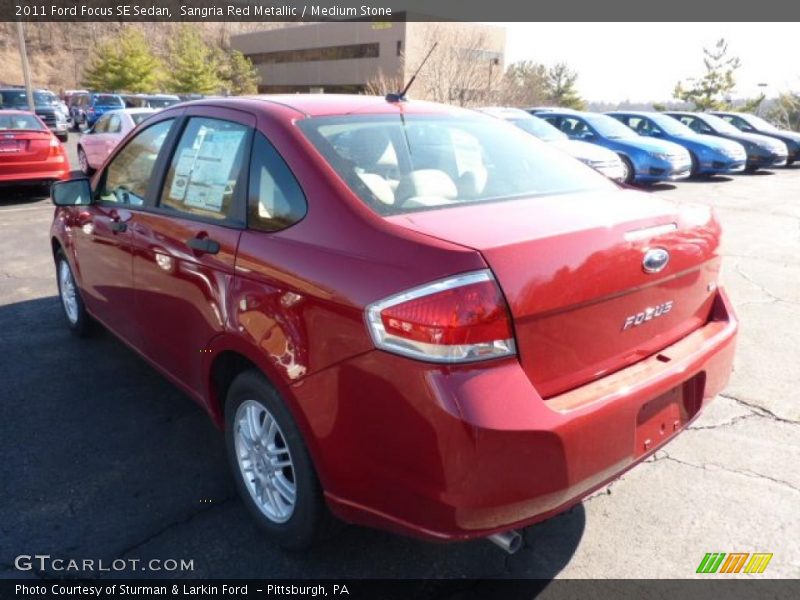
[76, 126]
[83, 161]
[251, 403]
[63, 138]
[630, 174]
[78, 320]
[693, 173]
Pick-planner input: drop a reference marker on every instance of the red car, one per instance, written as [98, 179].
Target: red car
[29, 152]
[407, 315]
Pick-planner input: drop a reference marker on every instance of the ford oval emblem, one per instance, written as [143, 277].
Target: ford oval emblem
[655, 260]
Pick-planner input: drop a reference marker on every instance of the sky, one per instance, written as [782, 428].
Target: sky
[643, 61]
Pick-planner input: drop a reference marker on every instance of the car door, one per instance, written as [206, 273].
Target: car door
[92, 142]
[185, 246]
[102, 237]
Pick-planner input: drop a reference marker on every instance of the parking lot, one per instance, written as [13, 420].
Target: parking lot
[104, 459]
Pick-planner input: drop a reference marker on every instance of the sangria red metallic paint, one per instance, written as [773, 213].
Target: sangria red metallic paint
[29, 152]
[441, 450]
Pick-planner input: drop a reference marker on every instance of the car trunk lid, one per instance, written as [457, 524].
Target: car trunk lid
[571, 269]
[24, 146]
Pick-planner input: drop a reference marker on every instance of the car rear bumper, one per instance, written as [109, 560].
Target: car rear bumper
[453, 454]
[22, 173]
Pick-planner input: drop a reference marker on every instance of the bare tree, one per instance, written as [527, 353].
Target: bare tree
[382, 84]
[463, 69]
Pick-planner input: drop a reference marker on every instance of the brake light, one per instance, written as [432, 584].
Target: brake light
[56, 150]
[459, 319]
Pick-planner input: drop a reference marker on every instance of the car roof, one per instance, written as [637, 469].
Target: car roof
[14, 111]
[319, 105]
[505, 112]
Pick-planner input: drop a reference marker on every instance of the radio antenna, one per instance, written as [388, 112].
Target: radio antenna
[401, 96]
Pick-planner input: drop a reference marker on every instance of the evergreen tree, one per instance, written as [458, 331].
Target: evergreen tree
[712, 91]
[193, 66]
[124, 64]
[239, 74]
[561, 87]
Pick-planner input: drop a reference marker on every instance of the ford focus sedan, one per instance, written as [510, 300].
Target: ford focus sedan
[30, 154]
[645, 160]
[399, 313]
[710, 155]
[762, 152]
[603, 160]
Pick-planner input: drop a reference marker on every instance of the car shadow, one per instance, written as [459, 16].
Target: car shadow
[20, 195]
[104, 458]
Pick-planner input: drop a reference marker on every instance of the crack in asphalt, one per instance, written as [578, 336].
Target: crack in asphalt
[773, 296]
[183, 521]
[760, 410]
[715, 466]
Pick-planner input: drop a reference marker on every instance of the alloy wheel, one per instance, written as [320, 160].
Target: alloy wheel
[265, 461]
[69, 297]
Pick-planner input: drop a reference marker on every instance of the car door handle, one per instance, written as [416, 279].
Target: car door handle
[203, 245]
[118, 226]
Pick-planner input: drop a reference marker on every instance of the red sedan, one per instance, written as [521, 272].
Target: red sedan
[29, 152]
[403, 314]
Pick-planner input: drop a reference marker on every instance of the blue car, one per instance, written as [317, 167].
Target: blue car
[710, 155]
[646, 160]
[86, 108]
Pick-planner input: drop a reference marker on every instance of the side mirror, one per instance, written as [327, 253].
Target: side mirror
[75, 192]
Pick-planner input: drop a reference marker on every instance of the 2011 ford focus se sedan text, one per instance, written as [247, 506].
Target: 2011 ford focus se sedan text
[402, 314]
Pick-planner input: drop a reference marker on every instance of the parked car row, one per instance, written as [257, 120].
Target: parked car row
[656, 146]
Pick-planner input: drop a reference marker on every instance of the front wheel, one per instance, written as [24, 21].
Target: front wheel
[78, 320]
[628, 174]
[271, 466]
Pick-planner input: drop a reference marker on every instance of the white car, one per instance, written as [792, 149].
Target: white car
[600, 159]
[98, 142]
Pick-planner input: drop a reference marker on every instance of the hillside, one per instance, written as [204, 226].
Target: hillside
[59, 52]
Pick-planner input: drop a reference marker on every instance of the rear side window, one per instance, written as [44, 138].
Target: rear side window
[206, 169]
[275, 198]
[128, 175]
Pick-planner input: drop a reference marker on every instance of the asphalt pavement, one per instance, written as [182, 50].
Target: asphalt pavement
[104, 459]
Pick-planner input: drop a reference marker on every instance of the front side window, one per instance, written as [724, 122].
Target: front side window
[128, 175]
[206, 169]
[398, 164]
[102, 125]
[276, 200]
[114, 124]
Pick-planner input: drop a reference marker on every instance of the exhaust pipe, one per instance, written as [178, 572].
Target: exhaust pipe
[510, 541]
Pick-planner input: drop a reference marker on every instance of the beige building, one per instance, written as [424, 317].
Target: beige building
[362, 56]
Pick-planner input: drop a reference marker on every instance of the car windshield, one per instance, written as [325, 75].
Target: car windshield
[717, 124]
[398, 164]
[759, 123]
[541, 129]
[609, 127]
[139, 117]
[670, 126]
[19, 123]
[108, 100]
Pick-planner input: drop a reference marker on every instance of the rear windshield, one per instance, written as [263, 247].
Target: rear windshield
[19, 122]
[405, 164]
[108, 100]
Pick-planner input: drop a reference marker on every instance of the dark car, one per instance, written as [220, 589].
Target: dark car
[149, 100]
[755, 124]
[401, 313]
[87, 108]
[762, 151]
[48, 108]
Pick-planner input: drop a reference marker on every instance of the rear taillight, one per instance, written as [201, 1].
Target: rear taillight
[56, 150]
[459, 319]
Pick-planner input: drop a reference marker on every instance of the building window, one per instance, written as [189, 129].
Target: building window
[317, 54]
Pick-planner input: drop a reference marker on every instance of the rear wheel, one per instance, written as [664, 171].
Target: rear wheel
[83, 161]
[628, 174]
[78, 320]
[273, 471]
